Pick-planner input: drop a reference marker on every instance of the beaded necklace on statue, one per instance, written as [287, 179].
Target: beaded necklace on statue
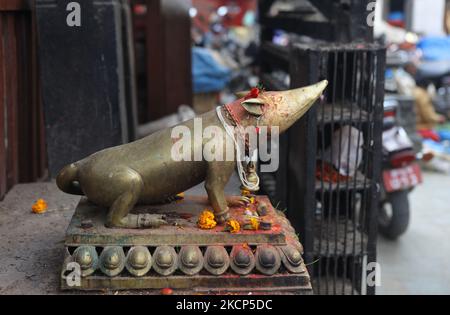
[236, 132]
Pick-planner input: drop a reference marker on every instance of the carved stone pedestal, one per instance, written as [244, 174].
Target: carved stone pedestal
[181, 256]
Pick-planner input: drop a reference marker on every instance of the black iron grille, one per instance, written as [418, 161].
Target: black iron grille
[336, 219]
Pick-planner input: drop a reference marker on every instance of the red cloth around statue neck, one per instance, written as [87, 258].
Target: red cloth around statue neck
[236, 111]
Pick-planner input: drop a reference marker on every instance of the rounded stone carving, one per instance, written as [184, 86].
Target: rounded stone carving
[268, 260]
[292, 259]
[139, 261]
[242, 260]
[165, 260]
[112, 260]
[216, 260]
[87, 258]
[190, 260]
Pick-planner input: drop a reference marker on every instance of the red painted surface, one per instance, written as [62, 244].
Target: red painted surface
[206, 8]
[167, 291]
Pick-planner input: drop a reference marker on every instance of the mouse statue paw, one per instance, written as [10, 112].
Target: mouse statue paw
[147, 220]
[222, 217]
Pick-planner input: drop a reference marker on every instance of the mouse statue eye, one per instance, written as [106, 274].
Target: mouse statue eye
[253, 106]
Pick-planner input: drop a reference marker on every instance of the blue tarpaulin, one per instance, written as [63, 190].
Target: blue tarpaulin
[435, 48]
[207, 74]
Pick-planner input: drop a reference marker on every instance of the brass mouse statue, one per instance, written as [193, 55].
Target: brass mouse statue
[144, 171]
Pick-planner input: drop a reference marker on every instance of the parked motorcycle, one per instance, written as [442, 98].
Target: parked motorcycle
[401, 174]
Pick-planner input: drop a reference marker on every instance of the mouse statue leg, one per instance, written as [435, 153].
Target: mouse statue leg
[217, 177]
[130, 184]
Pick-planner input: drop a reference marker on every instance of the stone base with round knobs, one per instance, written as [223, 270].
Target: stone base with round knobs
[189, 260]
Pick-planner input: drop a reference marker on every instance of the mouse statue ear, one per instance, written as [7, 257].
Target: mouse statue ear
[253, 106]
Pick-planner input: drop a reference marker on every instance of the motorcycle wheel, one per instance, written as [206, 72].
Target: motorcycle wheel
[393, 219]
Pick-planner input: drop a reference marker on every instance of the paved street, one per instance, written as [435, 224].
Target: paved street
[419, 262]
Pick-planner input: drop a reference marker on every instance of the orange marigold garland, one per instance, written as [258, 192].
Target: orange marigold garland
[252, 224]
[206, 220]
[233, 226]
[40, 206]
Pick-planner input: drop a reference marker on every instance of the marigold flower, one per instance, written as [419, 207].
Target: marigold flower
[206, 220]
[180, 195]
[245, 192]
[233, 226]
[254, 223]
[40, 206]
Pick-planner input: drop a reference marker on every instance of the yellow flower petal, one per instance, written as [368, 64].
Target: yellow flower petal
[233, 226]
[245, 192]
[40, 206]
[206, 220]
[254, 223]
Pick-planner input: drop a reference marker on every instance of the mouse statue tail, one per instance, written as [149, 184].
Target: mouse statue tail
[67, 180]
